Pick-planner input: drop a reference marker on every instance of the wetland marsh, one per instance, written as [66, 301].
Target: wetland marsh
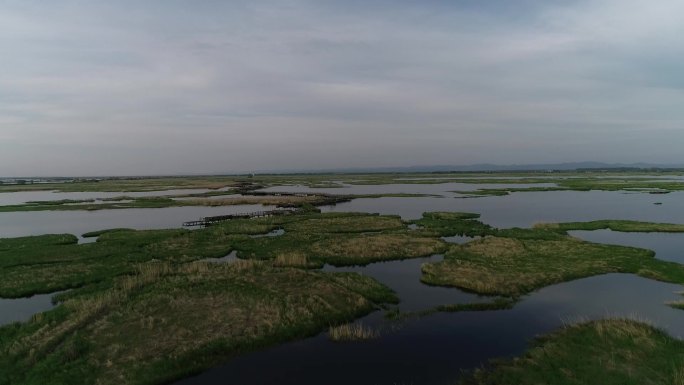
[429, 291]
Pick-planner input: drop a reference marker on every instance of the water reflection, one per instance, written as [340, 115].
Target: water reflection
[434, 349]
[17, 224]
[22, 309]
[527, 208]
[667, 246]
[404, 278]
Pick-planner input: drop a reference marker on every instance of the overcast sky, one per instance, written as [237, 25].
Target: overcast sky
[149, 87]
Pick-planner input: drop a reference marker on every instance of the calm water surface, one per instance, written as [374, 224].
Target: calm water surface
[667, 246]
[17, 224]
[527, 208]
[21, 309]
[434, 349]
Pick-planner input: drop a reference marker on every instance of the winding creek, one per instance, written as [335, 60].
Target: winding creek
[434, 348]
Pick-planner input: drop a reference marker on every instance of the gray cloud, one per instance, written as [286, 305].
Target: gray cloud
[89, 87]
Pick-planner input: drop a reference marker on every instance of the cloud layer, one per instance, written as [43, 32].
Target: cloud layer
[94, 87]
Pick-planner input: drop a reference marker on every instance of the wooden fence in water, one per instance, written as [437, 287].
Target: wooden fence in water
[207, 221]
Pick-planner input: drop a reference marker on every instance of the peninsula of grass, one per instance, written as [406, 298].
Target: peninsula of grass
[606, 352]
[615, 225]
[168, 321]
[514, 262]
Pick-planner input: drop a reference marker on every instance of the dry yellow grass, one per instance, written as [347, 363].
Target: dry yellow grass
[497, 247]
[352, 332]
[370, 247]
[291, 259]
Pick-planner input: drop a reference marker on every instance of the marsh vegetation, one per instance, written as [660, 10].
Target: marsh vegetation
[147, 306]
[612, 351]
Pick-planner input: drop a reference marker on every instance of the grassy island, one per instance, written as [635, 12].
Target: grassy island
[606, 352]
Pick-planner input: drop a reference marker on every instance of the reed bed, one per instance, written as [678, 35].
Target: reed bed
[352, 332]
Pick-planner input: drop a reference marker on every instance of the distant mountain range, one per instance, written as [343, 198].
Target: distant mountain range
[492, 167]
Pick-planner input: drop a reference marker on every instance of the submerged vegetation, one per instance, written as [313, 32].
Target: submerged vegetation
[613, 351]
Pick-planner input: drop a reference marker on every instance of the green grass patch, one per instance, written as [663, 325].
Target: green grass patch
[167, 321]
[615, 225]
[514, 267]
[341, 239]
[445, 224]
[49, 263]
[516, 261]
[607, 352]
